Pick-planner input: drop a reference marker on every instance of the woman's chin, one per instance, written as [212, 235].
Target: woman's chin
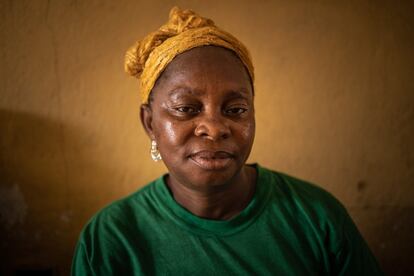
[211, 175]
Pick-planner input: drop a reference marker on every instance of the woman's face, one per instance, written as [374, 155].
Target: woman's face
[202, 116]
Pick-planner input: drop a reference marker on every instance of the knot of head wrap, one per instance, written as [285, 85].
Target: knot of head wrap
[148, 58]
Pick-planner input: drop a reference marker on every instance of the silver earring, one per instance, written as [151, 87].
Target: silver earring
[155, 153]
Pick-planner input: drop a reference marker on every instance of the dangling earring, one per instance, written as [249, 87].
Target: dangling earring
[155, 153]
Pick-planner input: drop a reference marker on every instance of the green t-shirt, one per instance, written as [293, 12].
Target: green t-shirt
[290, 227]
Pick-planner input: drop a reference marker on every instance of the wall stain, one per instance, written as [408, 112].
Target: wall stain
[13, 207]
[361, 185]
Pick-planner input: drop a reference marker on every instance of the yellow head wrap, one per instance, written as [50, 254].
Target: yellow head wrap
[185, 30]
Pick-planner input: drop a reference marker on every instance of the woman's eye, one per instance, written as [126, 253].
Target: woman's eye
[187, 109]
[236, 110]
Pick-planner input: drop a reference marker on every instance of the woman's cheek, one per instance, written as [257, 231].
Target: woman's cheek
[248, 131]
[173, 133]
[170, 131]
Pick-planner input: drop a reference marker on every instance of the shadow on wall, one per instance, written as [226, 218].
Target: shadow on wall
[389, 232]
[46, 171]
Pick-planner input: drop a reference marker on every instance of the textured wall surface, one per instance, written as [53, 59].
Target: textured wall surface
[334, 104]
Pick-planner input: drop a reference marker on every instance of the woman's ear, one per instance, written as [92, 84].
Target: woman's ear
[146, 120]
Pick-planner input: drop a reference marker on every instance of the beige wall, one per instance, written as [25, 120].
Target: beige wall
[334, 103]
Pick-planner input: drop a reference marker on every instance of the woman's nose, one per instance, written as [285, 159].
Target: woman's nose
[213, 127]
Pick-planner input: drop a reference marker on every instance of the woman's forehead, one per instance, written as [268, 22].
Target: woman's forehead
[206, 65]
[225, 94]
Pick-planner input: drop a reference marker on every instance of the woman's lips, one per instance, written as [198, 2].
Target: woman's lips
[212, 160]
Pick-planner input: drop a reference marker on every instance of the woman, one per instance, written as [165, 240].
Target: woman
[212, 214]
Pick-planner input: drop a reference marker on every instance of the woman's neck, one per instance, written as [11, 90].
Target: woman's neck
[217, 204]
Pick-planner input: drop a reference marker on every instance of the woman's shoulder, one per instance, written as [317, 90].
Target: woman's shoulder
[311, 208]
[116, 233]
[125, 212]
[302, 196]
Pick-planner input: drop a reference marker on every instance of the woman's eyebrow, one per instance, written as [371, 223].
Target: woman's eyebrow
[240, 93]
[183, 91]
